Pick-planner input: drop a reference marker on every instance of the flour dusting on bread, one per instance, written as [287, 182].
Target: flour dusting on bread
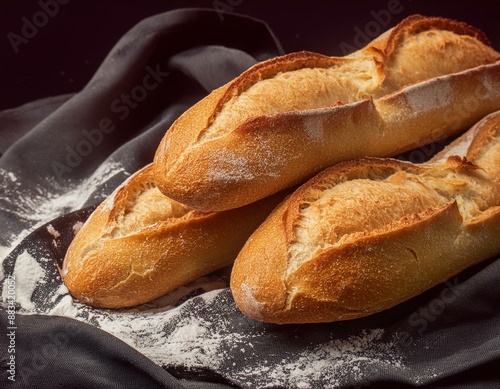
[413, 78]
[368, 234]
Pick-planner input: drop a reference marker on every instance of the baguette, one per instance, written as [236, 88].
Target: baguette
[368, 234]
[138, 244]
[286, 119]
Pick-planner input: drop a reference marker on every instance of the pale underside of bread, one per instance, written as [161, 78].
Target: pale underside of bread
[273, 126]
[139, 244]
[366, 235]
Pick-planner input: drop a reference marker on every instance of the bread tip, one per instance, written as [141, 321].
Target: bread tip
[247, 303]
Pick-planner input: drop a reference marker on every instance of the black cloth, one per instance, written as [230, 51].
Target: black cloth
[89, 142]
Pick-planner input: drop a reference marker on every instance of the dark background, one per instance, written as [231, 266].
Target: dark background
[64, 53]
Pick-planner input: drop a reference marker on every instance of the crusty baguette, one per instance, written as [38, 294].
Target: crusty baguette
[365, 235]
[138, 244]
[285, 119]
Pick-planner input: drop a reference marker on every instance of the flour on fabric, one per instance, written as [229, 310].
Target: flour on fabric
[42, 206]
[194, 329]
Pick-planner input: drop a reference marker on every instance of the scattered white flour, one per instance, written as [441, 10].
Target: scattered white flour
[65, 306]
[435, 94]
[196, 328]
[75, 198]
[314, 126]
[229, 167]
[37, 209]
[52, 231]
[206, 332]
[199, 335]
[335, 359]
[77, 227]
[5, 250]
[28, 274]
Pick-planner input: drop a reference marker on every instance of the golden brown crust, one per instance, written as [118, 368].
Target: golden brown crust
[276, 136]
[270, 68]
[367, 234]
[139, 244]
[418, 23]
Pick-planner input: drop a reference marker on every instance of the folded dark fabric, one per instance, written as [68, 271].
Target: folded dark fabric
[66, 153]
[158, 69]
[60, 352]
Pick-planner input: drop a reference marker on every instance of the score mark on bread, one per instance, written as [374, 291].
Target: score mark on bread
[357, 238]
[396, 93]
[139, 244]
[368, 234]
